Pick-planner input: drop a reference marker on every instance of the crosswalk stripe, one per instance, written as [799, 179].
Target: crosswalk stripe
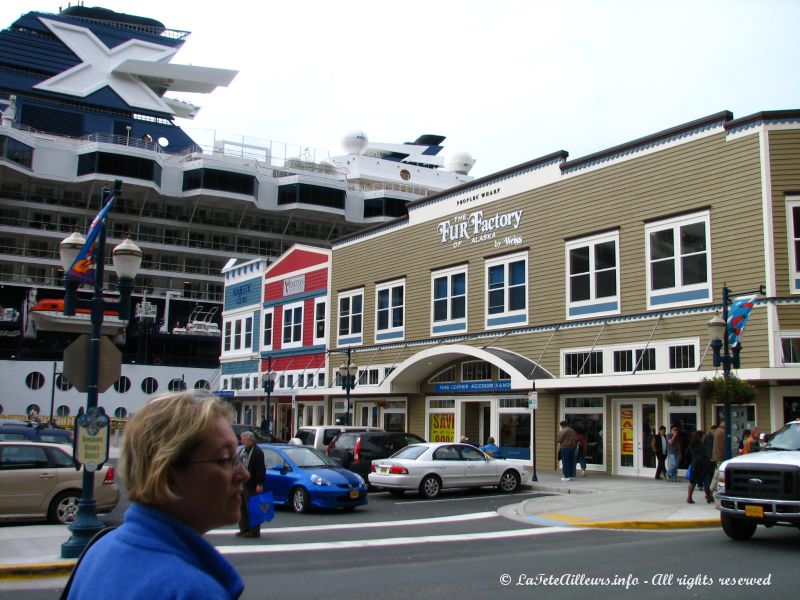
[426, 521]
[399, 541]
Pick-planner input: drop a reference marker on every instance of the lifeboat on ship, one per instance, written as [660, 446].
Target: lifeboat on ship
[48, 315]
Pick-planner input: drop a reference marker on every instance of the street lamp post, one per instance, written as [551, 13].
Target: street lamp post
[347, 373]
[724, 355]
[127, 258]
[268, 379]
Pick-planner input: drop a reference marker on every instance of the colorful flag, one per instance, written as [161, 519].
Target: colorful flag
[738, 314]
[83, 267]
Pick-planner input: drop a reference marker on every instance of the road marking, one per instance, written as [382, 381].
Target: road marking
[401, 541]
[451, 499]
[426, 521]
[562, 518]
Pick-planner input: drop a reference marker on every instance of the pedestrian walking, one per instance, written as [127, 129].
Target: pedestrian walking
[659, 446]
[673, 454]
[567, 441]
[491, 448]
[708, 446]
[753, 443]
[698, 463]
[580, 452]
[184, 478]
[718, 451]
[252, 458]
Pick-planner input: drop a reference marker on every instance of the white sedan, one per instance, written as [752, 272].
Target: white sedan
[431, 467]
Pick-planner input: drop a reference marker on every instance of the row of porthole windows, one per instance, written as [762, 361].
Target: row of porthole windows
[149, 385]
[63, 411]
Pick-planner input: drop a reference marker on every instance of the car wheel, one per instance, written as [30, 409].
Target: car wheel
[300, 500]
[64, 507]
[509, 482]
[737, 529]
[430, 486]
[397, 493]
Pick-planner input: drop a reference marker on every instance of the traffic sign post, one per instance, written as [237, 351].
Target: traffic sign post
[533, 404]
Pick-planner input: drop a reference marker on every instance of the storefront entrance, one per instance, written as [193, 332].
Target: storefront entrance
[368, 414]
[634, 426]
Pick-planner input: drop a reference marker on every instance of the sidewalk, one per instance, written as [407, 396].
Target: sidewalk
[601, 500]
[597, 500]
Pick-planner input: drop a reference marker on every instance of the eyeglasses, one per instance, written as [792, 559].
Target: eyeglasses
[232, 463]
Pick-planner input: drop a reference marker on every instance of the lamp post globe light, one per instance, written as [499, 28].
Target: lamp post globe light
[127, 258]
[268, 380]
[347, 375]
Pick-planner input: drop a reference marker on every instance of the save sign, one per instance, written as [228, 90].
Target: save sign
[442, 427]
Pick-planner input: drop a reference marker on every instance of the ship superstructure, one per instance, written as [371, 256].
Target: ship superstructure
[87, 98]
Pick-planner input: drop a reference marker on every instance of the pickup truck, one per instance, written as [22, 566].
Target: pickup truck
[761, 488]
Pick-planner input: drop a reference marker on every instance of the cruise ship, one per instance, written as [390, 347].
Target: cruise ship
[89, 97]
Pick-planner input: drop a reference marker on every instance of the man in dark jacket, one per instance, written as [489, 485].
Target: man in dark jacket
[253, 460]
[659, 446]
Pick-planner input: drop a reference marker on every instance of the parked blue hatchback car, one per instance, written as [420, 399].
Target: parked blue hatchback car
[303, 477]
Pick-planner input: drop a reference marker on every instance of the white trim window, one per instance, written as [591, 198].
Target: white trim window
[351, 312]
[507, 290]
[790, 347]
[390, 310]
[678, 261]
[593, 276]
[267, 331]
[793, 227]
[320, 321]
[238, 334]
[292, 330]
[449, 300]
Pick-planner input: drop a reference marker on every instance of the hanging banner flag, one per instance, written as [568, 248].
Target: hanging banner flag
[83, 267]
[738, 316]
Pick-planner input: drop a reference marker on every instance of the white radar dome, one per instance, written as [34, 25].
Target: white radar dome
[355, 142]
[459, 162]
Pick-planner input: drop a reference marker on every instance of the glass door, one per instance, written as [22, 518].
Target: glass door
[635, 422]
[368, 414]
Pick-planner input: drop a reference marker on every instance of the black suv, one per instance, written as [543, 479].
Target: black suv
[357, 450]
[261, 436]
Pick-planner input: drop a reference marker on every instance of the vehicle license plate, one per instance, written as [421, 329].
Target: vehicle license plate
[354, 493]
[753, 511]
[383, 469]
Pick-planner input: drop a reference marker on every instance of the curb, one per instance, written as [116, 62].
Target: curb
[663, 524]
[36, 570]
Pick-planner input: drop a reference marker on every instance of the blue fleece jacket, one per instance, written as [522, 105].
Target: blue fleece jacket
[153, 555]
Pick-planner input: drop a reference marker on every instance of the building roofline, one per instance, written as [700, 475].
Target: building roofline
[702, 123]
[764, 115]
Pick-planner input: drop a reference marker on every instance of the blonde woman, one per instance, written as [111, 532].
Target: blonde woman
[184, 477]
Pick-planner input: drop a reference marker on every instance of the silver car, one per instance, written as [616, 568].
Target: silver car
[431, 467]
[39, 480]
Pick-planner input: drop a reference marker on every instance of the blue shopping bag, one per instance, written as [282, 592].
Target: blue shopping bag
[260, 507]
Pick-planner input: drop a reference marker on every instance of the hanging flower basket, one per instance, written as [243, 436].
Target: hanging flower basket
[381, 402]
[673, 397]
[731, 389]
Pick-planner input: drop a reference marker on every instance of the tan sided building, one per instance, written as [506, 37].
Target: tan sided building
[591, 281]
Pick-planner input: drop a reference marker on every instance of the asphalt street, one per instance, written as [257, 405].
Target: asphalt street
[459, 546]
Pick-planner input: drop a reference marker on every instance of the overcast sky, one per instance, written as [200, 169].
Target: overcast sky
[505, 80]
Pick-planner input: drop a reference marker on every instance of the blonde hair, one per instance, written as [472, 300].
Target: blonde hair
[162, 436]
